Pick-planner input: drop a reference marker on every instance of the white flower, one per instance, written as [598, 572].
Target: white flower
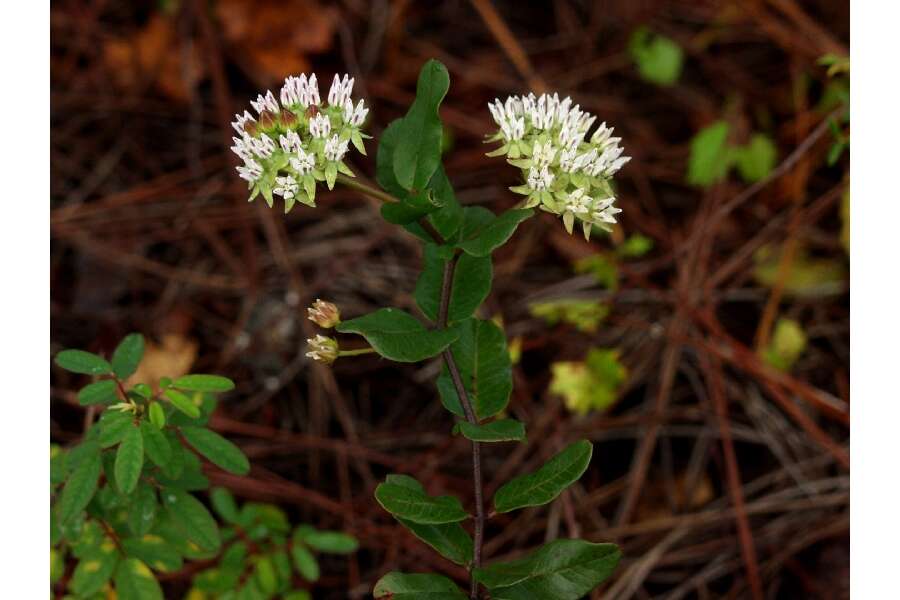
[319, 126]
[540, 179]
[601, 134]
[512, 125]
[303, 162]
[335, 149]
[569, 136]
[267, 102]
[543, 154]
[250, 170]
[290, 141]
[311, 95]
[286, 187]
[324, 314]
[290, 91]
[565, 156]
[355, 116]
[608, 163]
[340, 90]
[300, 91]
[322, 349]
[578, 202]
[263, 146]
[604, 211]
[281, 153]
[543, 113]
[241, 120]
[243, 147]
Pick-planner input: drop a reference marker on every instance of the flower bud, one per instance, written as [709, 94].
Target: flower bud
[288, 118]
[322, 349]
[324, 314]
[267, 120]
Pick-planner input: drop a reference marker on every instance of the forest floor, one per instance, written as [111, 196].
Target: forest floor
[719, 474]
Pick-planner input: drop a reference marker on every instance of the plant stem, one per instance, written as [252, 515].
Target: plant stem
[447, 355]
[443, 311]
[356, 352]
[368, 190]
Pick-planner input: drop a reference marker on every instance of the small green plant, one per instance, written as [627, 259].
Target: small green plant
[262, 552]
[712, 156]
[567, 171]
[592, 384]
[123, 503]
[787, 344]
[658, 58]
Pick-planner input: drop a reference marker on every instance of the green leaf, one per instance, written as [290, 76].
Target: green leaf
[182, 403]
[157, 415]
[332, 542]
[545, 484]
[398, 336]
[204, 383]
[305, 563]
[142, 512]
[418, 150]
[807, 276]
[590, 385]
[174, 468]
[584, 315]
[450, 540]
[409, 210]
[560, 570]
[658, 58]
[127, 355]
[130, 460]
[404, 497]
[265, 575]
[757, 159]
[417, 586]
[494, 234]
[153, 550]
[384, 160]
[504, 430]
[82, 483]
[94, 570]
[710, 158]
[134, 581]
[223, 503]
[79, 361]
[217, 449]
[113, 426]
[99, 392]
[155, 444]
[787, 344]
[446, 219]
[472, 278]
[484, 364]
[57, 565]
[192, 518]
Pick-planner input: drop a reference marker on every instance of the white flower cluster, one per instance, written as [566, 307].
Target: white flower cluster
[295, 143]
[566, 172]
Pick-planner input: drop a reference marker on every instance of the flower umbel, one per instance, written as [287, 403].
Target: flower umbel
[322, 349]
[566, 172]
[324, 314]
[297, 140]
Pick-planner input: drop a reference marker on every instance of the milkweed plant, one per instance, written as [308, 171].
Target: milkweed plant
[566, 165]
[125, 517]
